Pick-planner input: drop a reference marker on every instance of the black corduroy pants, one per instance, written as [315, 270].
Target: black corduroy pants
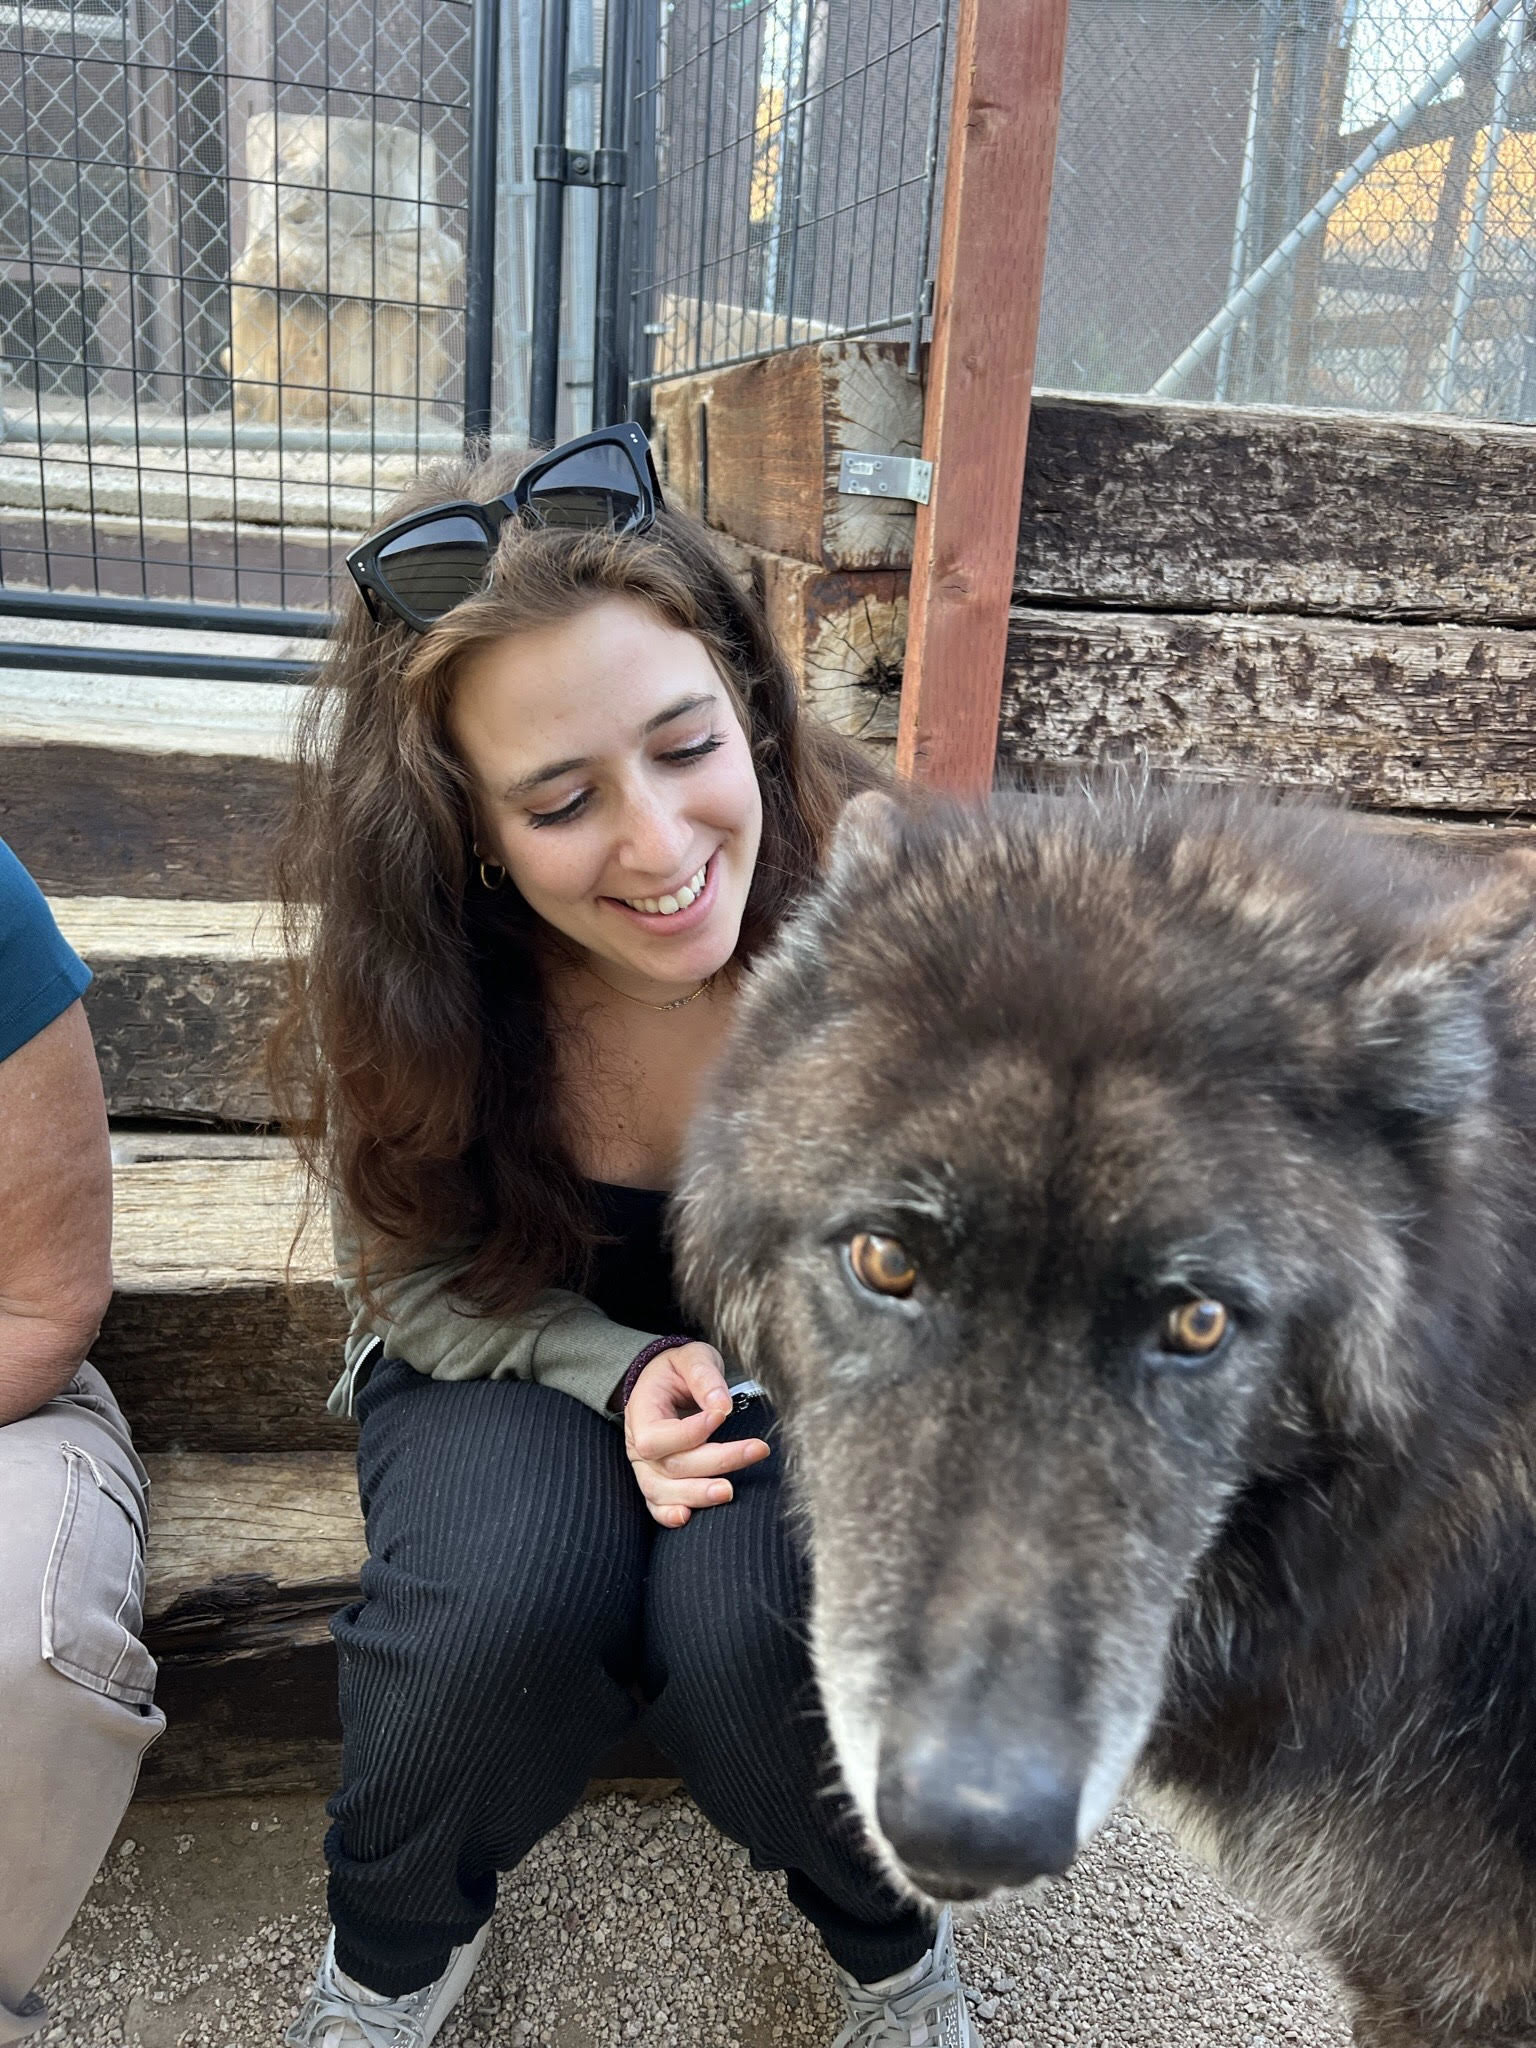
[516, 1591]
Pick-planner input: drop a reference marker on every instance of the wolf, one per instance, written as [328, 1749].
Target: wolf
[1127, 1199]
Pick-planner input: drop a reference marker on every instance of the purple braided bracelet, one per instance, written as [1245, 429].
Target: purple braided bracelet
[641, 1360]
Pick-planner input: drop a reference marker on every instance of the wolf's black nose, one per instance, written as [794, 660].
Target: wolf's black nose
[967, 1814]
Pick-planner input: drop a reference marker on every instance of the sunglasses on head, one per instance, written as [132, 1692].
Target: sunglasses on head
[423, 565]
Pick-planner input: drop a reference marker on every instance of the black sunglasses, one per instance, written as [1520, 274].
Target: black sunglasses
[423, 565]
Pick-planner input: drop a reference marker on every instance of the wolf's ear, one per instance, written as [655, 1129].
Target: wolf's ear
[1419, 1016]
[868, 833]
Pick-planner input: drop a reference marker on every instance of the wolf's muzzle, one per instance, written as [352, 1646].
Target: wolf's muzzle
[972, 1809]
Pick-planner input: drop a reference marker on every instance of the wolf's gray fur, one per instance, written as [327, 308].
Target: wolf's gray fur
[1089, 1058]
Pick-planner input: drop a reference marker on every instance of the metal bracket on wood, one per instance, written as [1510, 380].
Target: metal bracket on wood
[885, 476]
[554, 165]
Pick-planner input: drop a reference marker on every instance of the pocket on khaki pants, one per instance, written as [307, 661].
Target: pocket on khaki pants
[93, 1593]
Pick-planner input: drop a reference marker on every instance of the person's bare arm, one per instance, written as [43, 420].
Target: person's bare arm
[55, 1212]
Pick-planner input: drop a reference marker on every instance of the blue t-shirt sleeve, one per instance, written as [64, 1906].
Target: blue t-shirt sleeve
[41, 974]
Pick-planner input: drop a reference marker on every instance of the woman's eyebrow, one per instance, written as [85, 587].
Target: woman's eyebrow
[554, 769]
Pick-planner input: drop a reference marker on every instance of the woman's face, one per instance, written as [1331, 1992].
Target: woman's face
[615, 784]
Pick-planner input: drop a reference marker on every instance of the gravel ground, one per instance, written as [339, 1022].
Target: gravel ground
[636, 1923]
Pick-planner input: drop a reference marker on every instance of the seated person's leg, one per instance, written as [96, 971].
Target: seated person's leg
[736, 1708]
[486, 1667]
[75, 1681]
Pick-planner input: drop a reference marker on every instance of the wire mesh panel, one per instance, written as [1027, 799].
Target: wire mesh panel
[1312, 202]
[785, 167]
[231, 284]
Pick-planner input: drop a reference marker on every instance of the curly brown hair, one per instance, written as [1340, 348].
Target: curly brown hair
[412, 1064]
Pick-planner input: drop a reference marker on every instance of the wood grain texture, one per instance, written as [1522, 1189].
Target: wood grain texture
[141, 822]
[997, 188]
[183, 999]
[755, 450]
[842, 630]
[212, 1342]
[1433, 718]
[1130, 503]
[246, 1544]
[253, 1724]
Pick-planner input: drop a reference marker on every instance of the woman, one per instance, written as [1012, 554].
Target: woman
[554, 795]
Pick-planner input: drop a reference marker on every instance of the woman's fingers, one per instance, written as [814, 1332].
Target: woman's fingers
[712, 1459]
[674, 1409]
[655, 1437]
[702, 1371]
[663, 1491]
[677, 1403]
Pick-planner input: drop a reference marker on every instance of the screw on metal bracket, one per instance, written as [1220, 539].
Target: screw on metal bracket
[885, 476]
[556, 166]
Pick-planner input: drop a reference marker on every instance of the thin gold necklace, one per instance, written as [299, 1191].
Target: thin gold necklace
[677, 1002]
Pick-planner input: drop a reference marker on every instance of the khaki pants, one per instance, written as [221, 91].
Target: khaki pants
[76, 1684]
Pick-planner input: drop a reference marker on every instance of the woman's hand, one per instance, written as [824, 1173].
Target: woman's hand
[677, 1404]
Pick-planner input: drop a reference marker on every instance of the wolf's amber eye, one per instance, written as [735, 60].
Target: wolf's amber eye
[1195, 1328]
[882, 1264]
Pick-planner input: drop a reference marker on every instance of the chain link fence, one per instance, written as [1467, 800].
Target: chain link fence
[1304, 202]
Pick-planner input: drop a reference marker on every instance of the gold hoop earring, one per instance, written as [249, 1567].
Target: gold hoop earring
[488, 868]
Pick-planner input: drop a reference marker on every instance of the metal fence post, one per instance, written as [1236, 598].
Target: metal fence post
[549, 225]
[610, 371]
[480, 255]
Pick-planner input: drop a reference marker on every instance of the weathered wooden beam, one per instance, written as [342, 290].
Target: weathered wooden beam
[215, 1340]
[141, 820]
[247, 1546]
[843, 631]
[1129, 503]
[755, 450]
[183, 998]
[249, 1557]
[1434, 718]
[1133, 503]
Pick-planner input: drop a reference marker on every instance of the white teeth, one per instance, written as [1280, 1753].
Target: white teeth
[668, 906]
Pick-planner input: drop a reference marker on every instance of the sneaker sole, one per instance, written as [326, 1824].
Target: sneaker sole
[452, 1988]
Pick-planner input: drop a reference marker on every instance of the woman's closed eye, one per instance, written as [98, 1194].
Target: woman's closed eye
[677, 757]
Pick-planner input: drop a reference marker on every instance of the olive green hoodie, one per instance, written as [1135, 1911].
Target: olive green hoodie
[560, 1340]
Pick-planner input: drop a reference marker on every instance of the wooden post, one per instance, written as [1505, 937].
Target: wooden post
[1002, 148]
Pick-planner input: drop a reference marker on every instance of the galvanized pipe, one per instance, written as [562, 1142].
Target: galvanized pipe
[610, 371]
[549, 225]
[1472, 253]
[93, 609]
[257, 435]
[480, 253]
[1242, 225]
[144, 661]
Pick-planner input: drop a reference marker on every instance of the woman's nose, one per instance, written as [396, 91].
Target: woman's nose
[656, 838]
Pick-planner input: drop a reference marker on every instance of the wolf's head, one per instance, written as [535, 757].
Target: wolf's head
[1083, 1173]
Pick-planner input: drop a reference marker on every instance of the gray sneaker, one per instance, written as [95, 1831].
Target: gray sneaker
[922, 2008]
[334, 2018]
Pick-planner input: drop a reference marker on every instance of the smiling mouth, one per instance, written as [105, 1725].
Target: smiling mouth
[669, 906]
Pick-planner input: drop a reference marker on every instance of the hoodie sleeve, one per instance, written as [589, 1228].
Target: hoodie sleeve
[560, 1340]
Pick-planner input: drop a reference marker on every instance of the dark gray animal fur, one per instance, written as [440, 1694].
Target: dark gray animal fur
[1088, 1057]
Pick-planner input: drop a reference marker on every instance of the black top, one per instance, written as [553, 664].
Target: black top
[631, 1278]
